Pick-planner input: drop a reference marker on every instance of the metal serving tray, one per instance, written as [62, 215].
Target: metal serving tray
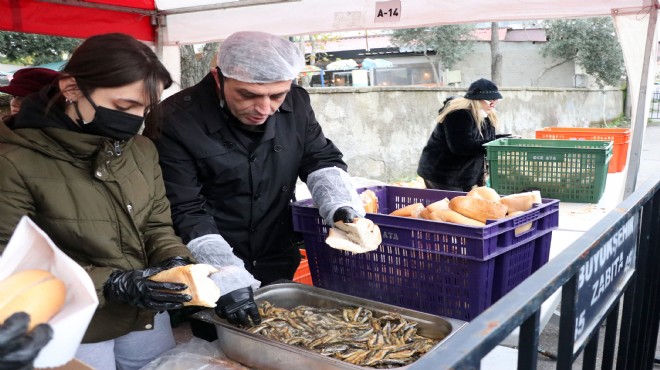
[262, 353]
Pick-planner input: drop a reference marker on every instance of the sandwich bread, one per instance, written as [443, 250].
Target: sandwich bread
[359, 236]
[36, 292]
[478, 208]
[203, 290]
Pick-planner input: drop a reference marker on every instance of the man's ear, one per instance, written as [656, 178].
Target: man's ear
[69, 88]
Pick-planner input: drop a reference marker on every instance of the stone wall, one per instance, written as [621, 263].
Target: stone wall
[382, 130]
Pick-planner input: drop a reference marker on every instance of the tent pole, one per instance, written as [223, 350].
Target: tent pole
[638, 127]
[159, 23]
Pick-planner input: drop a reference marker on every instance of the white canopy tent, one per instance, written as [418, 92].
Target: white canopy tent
[208, 20]
[170, 23]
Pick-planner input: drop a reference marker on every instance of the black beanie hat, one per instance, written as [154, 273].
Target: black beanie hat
[482, 89]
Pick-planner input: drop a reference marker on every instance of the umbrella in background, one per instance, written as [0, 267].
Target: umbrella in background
[341, 64]
[309, 70]
[369, 63]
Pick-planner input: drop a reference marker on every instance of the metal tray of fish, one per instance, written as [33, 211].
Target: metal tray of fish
[263, 353]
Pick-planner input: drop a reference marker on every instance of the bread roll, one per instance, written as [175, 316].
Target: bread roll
[522, 228]
[369, 201]
[519, 202]
[409, 210]
[425, 214]
[439, 205]
[484, 192]
[447, 215]
[203, 290]
[360, 236]
[477, 208]
[36, 292]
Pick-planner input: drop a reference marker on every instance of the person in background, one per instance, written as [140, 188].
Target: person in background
[76, 166]
[454, 156]
[18, 347]
[25, 82]
[231, 150]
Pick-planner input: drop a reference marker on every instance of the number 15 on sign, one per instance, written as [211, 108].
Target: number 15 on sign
[388, 11]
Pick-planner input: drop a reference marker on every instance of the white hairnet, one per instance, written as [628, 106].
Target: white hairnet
[259, 57]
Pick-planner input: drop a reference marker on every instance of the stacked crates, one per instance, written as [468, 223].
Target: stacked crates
[620, 137]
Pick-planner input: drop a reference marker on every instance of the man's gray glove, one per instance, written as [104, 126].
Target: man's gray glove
[331, 189]
[18, 348]
[213, 249]
[238, 307]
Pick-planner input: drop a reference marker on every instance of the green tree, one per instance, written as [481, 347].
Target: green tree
[591, 43]
[33, 49]
[194, 66]
[442, 46]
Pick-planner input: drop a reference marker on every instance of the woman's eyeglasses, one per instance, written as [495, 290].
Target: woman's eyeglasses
[491, 102]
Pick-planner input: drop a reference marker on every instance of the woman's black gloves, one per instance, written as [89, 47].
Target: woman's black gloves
[346, 214]
[134, 287]
[174, 262]
[18, 348]
[238, 307]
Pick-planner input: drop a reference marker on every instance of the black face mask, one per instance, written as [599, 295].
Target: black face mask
[110, 123]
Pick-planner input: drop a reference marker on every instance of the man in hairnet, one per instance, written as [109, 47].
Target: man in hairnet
[231, 150]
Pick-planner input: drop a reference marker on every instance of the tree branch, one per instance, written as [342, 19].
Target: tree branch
[544, 71]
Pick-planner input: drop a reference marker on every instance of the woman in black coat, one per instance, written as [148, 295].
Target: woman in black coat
[454, 157]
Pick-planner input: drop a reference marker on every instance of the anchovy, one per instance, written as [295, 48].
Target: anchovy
[350, 334]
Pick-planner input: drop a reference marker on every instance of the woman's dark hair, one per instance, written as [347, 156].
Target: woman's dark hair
[116, 59]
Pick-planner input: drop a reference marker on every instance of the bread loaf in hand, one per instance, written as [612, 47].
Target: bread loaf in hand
[359, 236]
[36, 292]
[477, 208]
[203, 290]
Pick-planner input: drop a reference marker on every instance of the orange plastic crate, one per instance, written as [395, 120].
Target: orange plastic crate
[303, 275]
[619, 136]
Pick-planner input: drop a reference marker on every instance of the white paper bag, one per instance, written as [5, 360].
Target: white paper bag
[30, 248]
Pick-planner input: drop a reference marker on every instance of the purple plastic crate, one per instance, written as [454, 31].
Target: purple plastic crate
[445, 269]
[518, 264]
[541, 254]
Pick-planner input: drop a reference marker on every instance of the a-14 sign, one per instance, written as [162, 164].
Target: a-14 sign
[604, 273]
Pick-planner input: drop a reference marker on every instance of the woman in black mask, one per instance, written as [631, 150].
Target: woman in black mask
[73, 162]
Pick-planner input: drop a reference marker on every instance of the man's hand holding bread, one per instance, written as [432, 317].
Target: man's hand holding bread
[353, 233]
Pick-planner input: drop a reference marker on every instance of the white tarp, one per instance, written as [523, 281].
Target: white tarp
[319, 16]
[639, 45]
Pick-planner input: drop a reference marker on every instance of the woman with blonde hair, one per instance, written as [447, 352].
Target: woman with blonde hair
[454, 157]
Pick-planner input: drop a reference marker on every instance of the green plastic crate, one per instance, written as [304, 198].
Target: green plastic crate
[568, 170]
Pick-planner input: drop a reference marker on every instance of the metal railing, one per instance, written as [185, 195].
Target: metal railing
[612, 271]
